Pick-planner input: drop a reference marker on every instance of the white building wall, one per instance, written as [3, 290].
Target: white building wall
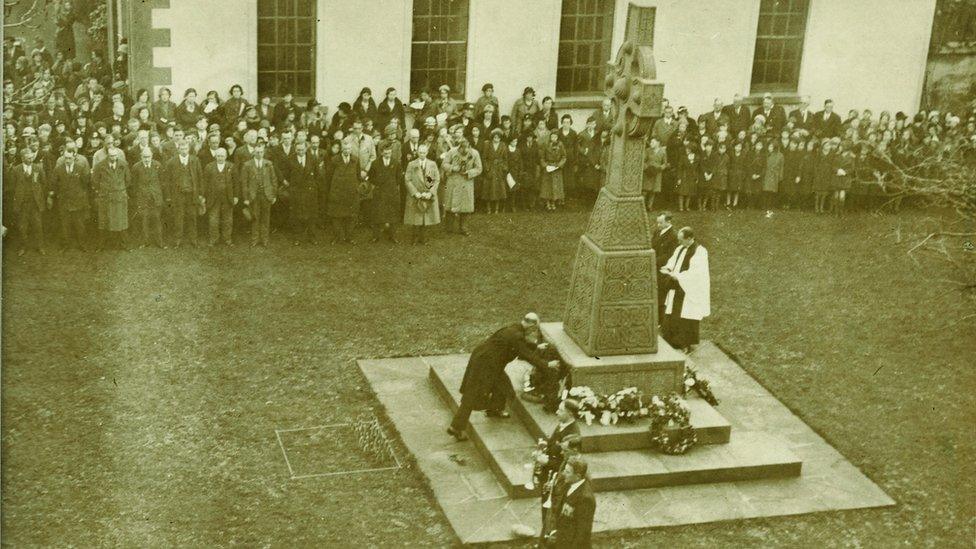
[213, 45]
[702, 50]
[867, 53]
[511, 43]
[362, 43]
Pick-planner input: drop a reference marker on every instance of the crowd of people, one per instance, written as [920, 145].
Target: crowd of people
[81, 153]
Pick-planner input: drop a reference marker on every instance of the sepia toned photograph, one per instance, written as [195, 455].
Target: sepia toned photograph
[488, 273]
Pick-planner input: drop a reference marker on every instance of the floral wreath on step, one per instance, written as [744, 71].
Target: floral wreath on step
[671, 430]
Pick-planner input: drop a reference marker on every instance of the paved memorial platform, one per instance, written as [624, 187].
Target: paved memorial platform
[483, 499]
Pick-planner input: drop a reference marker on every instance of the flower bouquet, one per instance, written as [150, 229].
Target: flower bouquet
[627, 405]
[540, 458]
[591, 407]
[693, 380]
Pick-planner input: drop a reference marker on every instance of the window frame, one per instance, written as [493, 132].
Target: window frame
[772, 39]
[424, 25]
[585, 21]
[275, 18]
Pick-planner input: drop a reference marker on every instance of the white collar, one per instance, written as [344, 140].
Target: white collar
[665, 230]
[575, 485]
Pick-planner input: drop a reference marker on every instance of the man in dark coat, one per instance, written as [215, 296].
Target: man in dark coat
[485, 385]
[773, 114]
[575, 510]
[30, 198]
[343, 205]
[72, 187]
[182, 176]
[259, 185]
[384, 208]
[664, 241]
[303, 180]
[220, 195]
[826, 123]
[147, 194]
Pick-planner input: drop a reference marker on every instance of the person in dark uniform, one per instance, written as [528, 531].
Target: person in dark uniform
[485, 385]
[664, 241]
[574, 511]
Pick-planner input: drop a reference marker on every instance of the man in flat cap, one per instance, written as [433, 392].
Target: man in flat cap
[485, 385]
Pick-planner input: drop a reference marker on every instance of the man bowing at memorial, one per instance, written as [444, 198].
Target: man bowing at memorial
[688, 286]
[485, 385]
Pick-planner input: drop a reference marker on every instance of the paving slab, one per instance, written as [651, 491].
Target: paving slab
[477, 514]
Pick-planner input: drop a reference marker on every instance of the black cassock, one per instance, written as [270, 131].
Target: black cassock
[680, 332]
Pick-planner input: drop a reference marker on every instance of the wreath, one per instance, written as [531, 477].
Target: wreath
[670, 429]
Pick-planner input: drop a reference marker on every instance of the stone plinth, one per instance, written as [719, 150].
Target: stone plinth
[657, 373]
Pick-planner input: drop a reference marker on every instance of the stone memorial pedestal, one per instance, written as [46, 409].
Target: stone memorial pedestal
[657, 373]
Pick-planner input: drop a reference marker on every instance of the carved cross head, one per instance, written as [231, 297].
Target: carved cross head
[631, 84]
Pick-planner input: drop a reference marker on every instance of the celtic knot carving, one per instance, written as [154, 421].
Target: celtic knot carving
[625, 327]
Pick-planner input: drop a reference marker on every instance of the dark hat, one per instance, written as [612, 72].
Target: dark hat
[527, 91]
[488, 86]
[497, 132]
[118, 85]
[469, 106]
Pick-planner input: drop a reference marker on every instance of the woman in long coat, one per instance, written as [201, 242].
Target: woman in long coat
[687, 180]
[553, 158]
[531, 160]
[738, 173]
[461, 164]
[757, 170]
[384, 207]
[496, 164]
[772, 175]
[344, 197]
[421, 181]
[823, 175]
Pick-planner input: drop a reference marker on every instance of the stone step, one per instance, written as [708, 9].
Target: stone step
[507, 447]
[707, 422]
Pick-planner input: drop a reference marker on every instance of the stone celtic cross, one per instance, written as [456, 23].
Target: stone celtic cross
[612, 305]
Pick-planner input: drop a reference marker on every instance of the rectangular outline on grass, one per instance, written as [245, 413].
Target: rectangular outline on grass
[291, 472]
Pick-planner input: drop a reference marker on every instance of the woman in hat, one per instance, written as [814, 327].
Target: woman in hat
[570, 140]
[391, 108]
[445, 105]
[549, 114]
[187, 111]
[553, 159]
[462, 165]
[164, 109]
[526, 106]
[487, 98]
[211, 107]
[143, 99]
[495, 156]
[364, 107]
[234, 108]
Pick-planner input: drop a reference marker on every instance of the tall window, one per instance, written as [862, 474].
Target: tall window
[286, 47]
[439, 53]
[779, 45]
[585, 32]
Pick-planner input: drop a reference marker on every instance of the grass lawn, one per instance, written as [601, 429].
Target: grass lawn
[142, 390]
